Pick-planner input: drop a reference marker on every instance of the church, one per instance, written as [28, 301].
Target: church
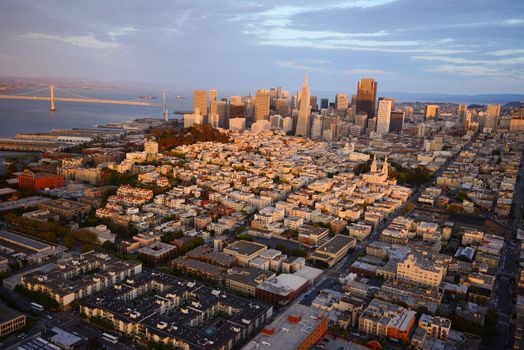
[375, 176]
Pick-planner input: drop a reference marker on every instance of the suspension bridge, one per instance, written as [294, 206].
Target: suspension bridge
[29, 95]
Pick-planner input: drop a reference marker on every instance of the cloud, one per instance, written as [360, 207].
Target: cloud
[513, 21]
[370, 72]
[507, 52]
[460, 60]
[88, 40]
[281, 14]
[301, 66]
[121, 31]
[349, 41]
[466, 70]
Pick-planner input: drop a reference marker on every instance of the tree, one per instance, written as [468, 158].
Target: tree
[107, 245]
[245, 237]
[88, 247]
[299, 252]
[69, 241]
[169, 237]
[282, 247]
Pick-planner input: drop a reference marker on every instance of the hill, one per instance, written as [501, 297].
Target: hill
[169, 138]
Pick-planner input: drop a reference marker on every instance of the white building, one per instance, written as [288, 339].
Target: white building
[237, 124]
[384, 116]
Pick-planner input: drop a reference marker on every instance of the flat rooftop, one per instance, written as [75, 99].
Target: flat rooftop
[23, 241]
[245, 247]
[335, 244]
[284, 334]
[7, 313]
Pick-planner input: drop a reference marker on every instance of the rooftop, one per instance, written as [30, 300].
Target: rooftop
[245, 248]
[289, 330]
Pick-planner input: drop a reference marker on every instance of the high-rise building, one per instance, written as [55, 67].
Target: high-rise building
[367, 96]
[276, 121]
[492, 116]
[287, 124]
[282, 107]
[393, 101]
[200, 101]
[354, 103]
[262, 105]
[317, 127]
[249, 109]
[383, 116]
[221, 110]
[461, 118]
[408, 112]
[304, 111]
[237, 124]
[372, 125]
[236, 107]
[324, 103]
[212, 107]
[336, 129]
[214, 120]
[313, 103]
[342, 101]
[396, 123]
[432, 111]
[212, 95]
[361, 119]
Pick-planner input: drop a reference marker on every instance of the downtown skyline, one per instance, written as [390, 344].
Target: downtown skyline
[237, 47]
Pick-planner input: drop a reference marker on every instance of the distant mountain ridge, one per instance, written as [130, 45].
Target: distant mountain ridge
[468, 99]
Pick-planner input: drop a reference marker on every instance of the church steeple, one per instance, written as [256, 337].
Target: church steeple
[374, 165]
[385, 167]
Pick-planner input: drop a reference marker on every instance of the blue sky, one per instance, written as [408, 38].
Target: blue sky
[446, 46]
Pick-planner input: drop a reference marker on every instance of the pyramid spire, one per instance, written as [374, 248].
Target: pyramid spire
[385, 166]
[306, 80]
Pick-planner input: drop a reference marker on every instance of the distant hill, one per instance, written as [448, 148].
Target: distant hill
[468, 99]
[169, 138]
[513, 104]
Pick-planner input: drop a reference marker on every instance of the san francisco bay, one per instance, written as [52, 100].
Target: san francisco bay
[30, 116]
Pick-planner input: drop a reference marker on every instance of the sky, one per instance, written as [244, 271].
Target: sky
[235, 46]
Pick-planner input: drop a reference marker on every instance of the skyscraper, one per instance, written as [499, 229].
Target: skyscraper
[200, 101]
[317, 128]
[324, 103]
[236, 107]
[492, 116]
[461, 118]
[342, 101]
[384, 116]
[361, 119]
[282, 107]
[212, 107]
[393, 101]
[262, 105]
[222, 113]
[304, 111]
[212, 95]
[396, 123]
[366, 96]
[432, 111]
[313, 103]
